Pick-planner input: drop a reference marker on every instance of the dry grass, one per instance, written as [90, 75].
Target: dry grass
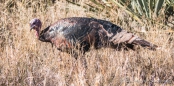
[25, 61]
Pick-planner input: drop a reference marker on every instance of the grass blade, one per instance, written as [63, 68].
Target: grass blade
[158, 6]
[145, 6]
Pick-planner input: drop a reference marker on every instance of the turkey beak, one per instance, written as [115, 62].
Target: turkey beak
[32, 27]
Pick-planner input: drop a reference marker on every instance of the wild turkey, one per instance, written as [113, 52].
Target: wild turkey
[81, 33]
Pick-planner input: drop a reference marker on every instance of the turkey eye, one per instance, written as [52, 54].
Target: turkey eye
[51, 30]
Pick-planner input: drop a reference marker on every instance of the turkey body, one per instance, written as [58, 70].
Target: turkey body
[82, 33]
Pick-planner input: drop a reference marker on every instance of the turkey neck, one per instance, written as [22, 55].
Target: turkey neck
[38, 32]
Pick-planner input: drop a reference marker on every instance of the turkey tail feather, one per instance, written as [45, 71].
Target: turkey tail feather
[144, 43]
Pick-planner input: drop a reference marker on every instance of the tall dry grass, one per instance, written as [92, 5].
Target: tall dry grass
[25, 61]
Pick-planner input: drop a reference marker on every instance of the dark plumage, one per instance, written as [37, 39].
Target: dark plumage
[82, 33]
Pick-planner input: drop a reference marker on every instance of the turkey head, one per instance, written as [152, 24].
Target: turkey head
[36, 24]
